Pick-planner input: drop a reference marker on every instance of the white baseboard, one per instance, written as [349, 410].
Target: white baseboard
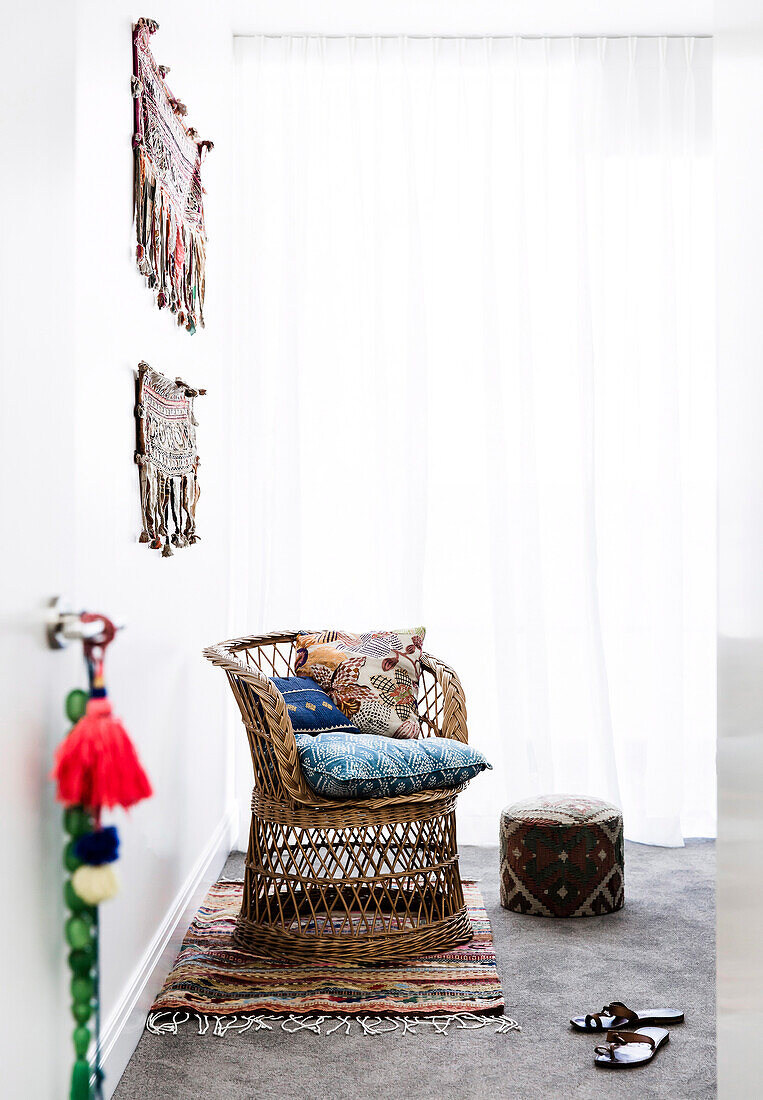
[124, 1027]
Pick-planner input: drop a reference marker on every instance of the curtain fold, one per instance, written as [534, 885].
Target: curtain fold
[475, 357]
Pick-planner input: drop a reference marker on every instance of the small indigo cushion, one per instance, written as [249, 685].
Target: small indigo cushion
[343, 765]
[309, 707]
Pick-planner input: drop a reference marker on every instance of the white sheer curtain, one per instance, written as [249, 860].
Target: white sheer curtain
[475, 357]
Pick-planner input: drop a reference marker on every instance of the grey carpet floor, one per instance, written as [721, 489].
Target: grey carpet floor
[657, 951]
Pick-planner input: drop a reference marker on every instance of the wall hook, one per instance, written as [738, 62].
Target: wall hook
[64, 625]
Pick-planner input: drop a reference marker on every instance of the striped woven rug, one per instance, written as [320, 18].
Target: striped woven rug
[212, 979]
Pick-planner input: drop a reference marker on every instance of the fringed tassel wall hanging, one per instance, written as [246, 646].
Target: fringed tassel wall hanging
[168, 195]
[96, 766]
[167, 459]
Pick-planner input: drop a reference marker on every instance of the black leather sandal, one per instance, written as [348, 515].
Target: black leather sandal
[616, 1015]
[630, 1048]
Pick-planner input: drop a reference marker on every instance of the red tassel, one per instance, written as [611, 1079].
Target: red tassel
[97, 764]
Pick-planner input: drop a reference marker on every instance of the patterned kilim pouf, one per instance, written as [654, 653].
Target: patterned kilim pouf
[562, 856]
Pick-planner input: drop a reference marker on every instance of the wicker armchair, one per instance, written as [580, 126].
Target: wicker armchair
[327, 880]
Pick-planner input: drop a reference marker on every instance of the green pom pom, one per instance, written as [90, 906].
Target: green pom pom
[81, 961]
[71, 862]
[82, 990]
[76, 704]
[77, 821]
[80, 1089]
[81, 1011]
[81, 1037]
[72, 899]
[78, 930]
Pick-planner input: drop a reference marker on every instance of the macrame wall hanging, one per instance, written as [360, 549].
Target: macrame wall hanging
[169, 211]
[167, 459]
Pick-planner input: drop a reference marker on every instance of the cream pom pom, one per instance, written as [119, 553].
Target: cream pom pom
[95, 884]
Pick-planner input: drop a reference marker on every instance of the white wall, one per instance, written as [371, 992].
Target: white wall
[738, 116]
[77, 319]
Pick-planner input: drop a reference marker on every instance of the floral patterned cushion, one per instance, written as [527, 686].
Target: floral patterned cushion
[372, 678]
[309, 707]
[343, 765]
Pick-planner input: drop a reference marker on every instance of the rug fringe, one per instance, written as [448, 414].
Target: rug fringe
[157, 1023]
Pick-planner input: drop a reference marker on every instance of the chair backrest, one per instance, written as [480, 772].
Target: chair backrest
[269, 654]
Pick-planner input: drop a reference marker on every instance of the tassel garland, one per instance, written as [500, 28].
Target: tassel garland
[95, 766]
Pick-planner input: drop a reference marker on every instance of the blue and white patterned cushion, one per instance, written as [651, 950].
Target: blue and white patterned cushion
[343, 765]
[309, 707]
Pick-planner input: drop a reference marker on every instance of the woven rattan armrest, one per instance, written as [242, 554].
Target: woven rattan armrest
[442, 706]
[273, 716]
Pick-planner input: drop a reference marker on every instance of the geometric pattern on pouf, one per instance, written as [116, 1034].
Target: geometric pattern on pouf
[562, 856]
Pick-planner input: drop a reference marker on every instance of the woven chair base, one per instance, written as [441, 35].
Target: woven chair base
[358, 888]
[306, 947]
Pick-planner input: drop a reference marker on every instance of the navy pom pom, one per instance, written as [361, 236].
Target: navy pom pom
[102, 846]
